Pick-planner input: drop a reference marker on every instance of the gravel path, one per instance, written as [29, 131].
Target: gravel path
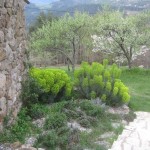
[135, 136]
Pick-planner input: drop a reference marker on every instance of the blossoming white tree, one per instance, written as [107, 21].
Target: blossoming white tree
[120, 34]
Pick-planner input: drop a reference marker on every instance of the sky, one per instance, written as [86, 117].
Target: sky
[42, 1]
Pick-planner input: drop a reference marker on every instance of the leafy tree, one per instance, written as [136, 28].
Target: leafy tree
[41, 20]
[121, 35]
[66, 35]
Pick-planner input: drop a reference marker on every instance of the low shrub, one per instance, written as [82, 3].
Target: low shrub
[22, 127]
[49, 140]
[58, 107]
[72, 104]
[93, 120]
[54, 139]
[55, 121]
[84, 122]
[19, 130]
[101, 80]
[46, 86]
[71, 114]
[91, 109]
[38, 111]
[30, 92]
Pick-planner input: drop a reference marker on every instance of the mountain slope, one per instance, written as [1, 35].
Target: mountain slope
[60, 7]
[31, 12]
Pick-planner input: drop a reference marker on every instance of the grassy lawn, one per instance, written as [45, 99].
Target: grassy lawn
[138, 81]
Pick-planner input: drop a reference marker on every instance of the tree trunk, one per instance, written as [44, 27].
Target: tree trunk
[73, 67]
[68, 59]
[68, 65]
[129, 63]
[74, 55]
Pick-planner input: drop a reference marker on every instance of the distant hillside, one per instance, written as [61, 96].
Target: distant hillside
[31, 12]
[60, 7]
[90, 8]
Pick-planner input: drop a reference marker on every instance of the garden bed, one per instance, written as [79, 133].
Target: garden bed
[79, 124]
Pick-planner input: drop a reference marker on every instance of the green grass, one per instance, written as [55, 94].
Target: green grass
[138, 81]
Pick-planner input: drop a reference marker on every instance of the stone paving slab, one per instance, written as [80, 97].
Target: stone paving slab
[135, 136]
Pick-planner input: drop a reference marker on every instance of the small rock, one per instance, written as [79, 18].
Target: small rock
[41, 149]
[116, 125]
[30, 141]
[119, 110]
[76, 125]
[16, 145]
[107, 135]
[124, 122]
[103, 143]
[44, 133]
[25, 147]
[5, 147]
[39, 122]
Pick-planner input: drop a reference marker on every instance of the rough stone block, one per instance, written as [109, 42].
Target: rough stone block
[1, 3]
[9, 3]
[11, 22]
[9, 11]
[13, 45]
[2, 106]
[2, 54]
[2, 85]
[11, 93]
[3, 11]
[1, 36]
[10, 34]
[2, 80]
[15, 3]
[3, 22]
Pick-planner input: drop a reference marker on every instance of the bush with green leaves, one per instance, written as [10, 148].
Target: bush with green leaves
[84, 122]
[31, 92]
[54, 139]
[46, 86]
[91, 109]
[101, 80]
[38, 111]
[22, 126]
[55, 120]
[49, 140]
[19, 130]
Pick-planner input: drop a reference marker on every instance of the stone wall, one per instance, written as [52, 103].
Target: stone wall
[12, 56]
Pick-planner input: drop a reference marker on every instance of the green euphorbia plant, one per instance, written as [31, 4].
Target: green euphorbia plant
[46, 86]
[101, 80]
